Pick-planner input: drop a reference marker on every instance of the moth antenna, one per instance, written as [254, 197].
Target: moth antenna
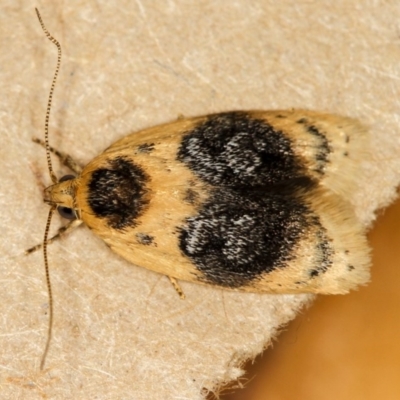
[50, 100]
[54, 180]
[48, 284]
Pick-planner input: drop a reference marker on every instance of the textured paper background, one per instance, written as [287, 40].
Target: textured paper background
[121, 331]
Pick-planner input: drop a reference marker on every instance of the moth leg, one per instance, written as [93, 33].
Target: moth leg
[65, 159]
[61, 232]
[176, 286]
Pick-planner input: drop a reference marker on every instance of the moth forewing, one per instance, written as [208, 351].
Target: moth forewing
[197, 199]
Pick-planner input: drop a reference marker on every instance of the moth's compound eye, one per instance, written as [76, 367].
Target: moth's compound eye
[66, 178]
[66, 212]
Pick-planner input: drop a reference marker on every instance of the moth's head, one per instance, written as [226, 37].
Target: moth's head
[62, 195]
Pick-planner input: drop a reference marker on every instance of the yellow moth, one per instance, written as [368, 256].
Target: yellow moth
[248, 200]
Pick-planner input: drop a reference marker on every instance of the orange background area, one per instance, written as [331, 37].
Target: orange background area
[343, 347]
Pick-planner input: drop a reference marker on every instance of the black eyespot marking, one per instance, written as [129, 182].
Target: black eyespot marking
[314, 273]
[324, 250]
[145, 239]
[324, 148]
[65, 212]
[145, 148]
[235, 149]
[237, 238]
[256, 213]
[118, 193]
[350, 267]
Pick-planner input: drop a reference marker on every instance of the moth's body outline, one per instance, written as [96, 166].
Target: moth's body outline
[324, 251]
[158, 184]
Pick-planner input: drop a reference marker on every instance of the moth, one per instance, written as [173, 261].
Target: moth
[249, 200]
[256, 201]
